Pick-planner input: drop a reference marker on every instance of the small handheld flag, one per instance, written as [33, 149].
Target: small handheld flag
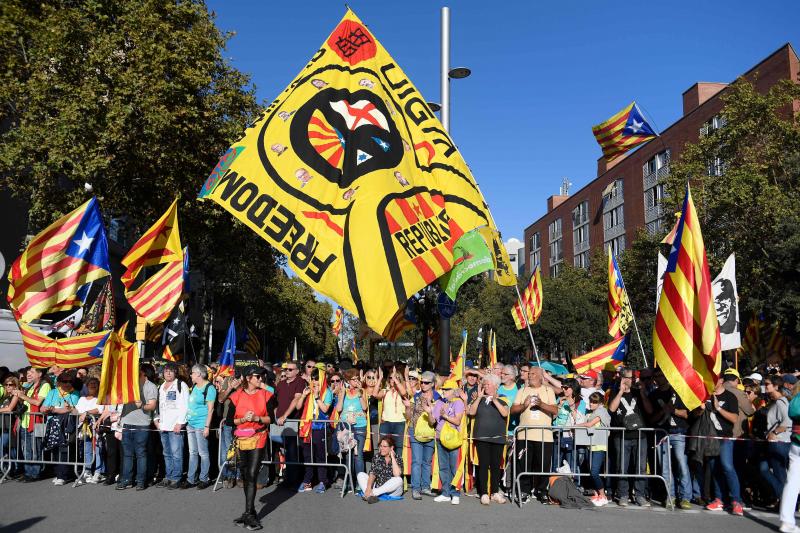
[226, 360]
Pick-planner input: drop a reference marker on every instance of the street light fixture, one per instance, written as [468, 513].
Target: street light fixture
[434, 107]
[458, 73]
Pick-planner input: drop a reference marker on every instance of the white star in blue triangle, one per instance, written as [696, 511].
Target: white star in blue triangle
[361, 157]
[83, 243]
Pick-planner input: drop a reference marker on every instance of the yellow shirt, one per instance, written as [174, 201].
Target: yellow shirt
[536, 417]
[393, 408]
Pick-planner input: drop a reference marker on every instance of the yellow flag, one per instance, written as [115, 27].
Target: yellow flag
[502, 264]
[350, 174]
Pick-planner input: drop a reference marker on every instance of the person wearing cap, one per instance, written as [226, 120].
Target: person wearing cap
[412, 382]
[779, 429]
[470, 386]
[448, 410]
[588, 382]
[421, 451]
[251, 418]
[490, 412]
[173, 403]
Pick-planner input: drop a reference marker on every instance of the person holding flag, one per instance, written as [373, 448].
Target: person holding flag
[316, 400]
[352, 407]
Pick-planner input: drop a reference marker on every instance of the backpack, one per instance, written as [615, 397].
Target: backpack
[631, 420]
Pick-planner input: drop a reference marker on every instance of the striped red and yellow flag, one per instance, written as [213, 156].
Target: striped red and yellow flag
[622, 132]
[119, 379]
[71, 352]
[69, 253]
[167, 355]
[608, 355]
[686, 338]
[492, 348]
[619, 307]
[397, 325]
[155, 299]
[531, 308]
[337, 321]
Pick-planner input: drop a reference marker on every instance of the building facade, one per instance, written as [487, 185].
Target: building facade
[627, 193]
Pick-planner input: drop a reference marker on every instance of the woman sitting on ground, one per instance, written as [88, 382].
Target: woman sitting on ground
[386, 476]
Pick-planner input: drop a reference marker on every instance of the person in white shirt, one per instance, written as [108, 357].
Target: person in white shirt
[89, 411]
[173, 404]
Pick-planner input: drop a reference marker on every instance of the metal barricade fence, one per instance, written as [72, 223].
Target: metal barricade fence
[28, 445]
[579, 446]
[289, 432]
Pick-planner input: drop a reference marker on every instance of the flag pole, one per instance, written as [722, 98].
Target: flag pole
[527, 323]
[633, 316]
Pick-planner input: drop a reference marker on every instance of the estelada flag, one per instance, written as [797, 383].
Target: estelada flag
[155, 299]
[70, 352]
[69, 253]
[531, 308]
[350, 174]
[609, 355]
[119, 379]
[686, 340]
[622, 132]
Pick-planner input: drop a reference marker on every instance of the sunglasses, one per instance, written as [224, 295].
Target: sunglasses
[336, 381]
[426, 382]
[370, 377]
[311, 366]
[412, 377]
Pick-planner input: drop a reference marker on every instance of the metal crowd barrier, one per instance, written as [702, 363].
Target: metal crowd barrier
[583, 439]
[290, 430]
[22, 447]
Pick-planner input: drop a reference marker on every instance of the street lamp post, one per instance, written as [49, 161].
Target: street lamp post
[445, 74]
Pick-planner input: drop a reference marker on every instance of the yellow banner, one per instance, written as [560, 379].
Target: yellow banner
[350, 174]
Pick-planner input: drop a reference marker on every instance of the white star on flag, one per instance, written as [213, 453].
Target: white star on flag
[636, 126]
[84, 243]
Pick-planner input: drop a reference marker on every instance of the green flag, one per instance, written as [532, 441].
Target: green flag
[471, 256]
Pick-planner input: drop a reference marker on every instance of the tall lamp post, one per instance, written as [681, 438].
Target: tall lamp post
[446, 74]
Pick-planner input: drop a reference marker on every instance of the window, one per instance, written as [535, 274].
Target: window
[613, 190]
[617, 244]
[535, 260]
[536, 251]
[580, 227]
[709, 127]
[556, 251]
[613, 218]
[554, 229]
[655, 163]
[536, 241]
[654, 196]
[554, 270]
[582, 260]
[580, 215]
[716, 167]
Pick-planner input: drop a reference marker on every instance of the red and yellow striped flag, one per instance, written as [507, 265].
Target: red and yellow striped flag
[119, 380]
[531, 308]
[619, 307]
[337, 321]
[622, 132]
[154, 299]
[492, 348]
[71, 352]
[686, 338]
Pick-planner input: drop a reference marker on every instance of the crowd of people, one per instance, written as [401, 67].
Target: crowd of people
[615, 433]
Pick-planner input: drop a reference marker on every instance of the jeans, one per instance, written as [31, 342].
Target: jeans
[448, 465]
[677, 448]
[226, 439]
[395, 429]
[172, 445]
[597, 459]
[722, 468]
[292, 474]
[792, 487]
[421, 458]
[314, 451]
[92, 456]
[631, 459]
[31, 451]
[773, 466]
[357, 453]
[198, 449]
[134, 447]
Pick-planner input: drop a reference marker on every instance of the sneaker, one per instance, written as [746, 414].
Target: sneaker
[188, 485]
[736, 508]
[53, 481]
[204, 484]
[240, 521]
[685, 505]
[164, 483]
[98, 477]
[455, 500]
[81, 481]
[641, 502]
[173, 485]
[716, 505]
[372, 499]
[140, 487]
[229, 483]
[526, 498]
[485, 499]
[304, 487]
[622, 502]
[441, 498]
[499, 498]
[320, 489]
[123, 486]
[252, 523]
[789, 528]
[415, 495]
[427, 492]
[91, 479]
[599, 501]
[58, 482]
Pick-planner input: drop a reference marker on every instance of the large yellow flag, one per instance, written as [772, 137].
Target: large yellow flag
[350, 174]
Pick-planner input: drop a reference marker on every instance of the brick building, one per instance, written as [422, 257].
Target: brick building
[627, 193]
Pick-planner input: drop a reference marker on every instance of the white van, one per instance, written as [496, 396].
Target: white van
[12, 352]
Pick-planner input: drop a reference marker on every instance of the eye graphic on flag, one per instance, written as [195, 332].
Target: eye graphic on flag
[342, 135]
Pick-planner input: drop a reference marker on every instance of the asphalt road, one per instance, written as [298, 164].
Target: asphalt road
[43, 507]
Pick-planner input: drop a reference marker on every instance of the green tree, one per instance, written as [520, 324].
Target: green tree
[136, 99]
[744, 178]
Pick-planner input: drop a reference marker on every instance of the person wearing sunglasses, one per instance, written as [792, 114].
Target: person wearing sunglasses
[490, 412]
[60, 401]
[10, 409]
[285, 393]
[251, 418]
[352, 406]
[448, 410]
[417, 413]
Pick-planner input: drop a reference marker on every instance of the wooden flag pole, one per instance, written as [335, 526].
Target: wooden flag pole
[528, 323]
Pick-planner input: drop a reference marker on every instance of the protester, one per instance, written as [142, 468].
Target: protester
[252, 421]
[173, 402]
[597, 418]
[136, 419]
[393, 416]
[489, 434]
[10, 409]
[61, 401]
[314, 441]
[286, 392]
[202, 397]
[33, 394]
[779, 428]
[422, 435]
[352, 407]
[386, 474]
[723, 409]
[88, 412]
[792, 486]
[448, 411]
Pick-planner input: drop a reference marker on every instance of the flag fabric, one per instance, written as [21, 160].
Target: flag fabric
[531, 308]
[119, 378]
[669, 237]
[457, 367]
[173, 334]
[622, 132]
[686, 339]
[70, 352]
[186, 287]
[726, 302]
[337, 321]
[168, 355]
[251, 342]
[503, 274]
[607, 356]
[157, 296]
[777, 346]
[101, 314]
[661, 272]
[403, 320]
[69, 253]
[359, 184]
[619, 307]
[354, 351]
[226, 357]
[751, 343]
[492, 348]
[471, 256]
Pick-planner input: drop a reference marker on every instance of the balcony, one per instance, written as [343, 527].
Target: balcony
[653, 178]
[653, 213]
[580, 247]
[613, 232]
[610, 202]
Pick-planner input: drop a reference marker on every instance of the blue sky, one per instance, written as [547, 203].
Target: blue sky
[543, 73]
